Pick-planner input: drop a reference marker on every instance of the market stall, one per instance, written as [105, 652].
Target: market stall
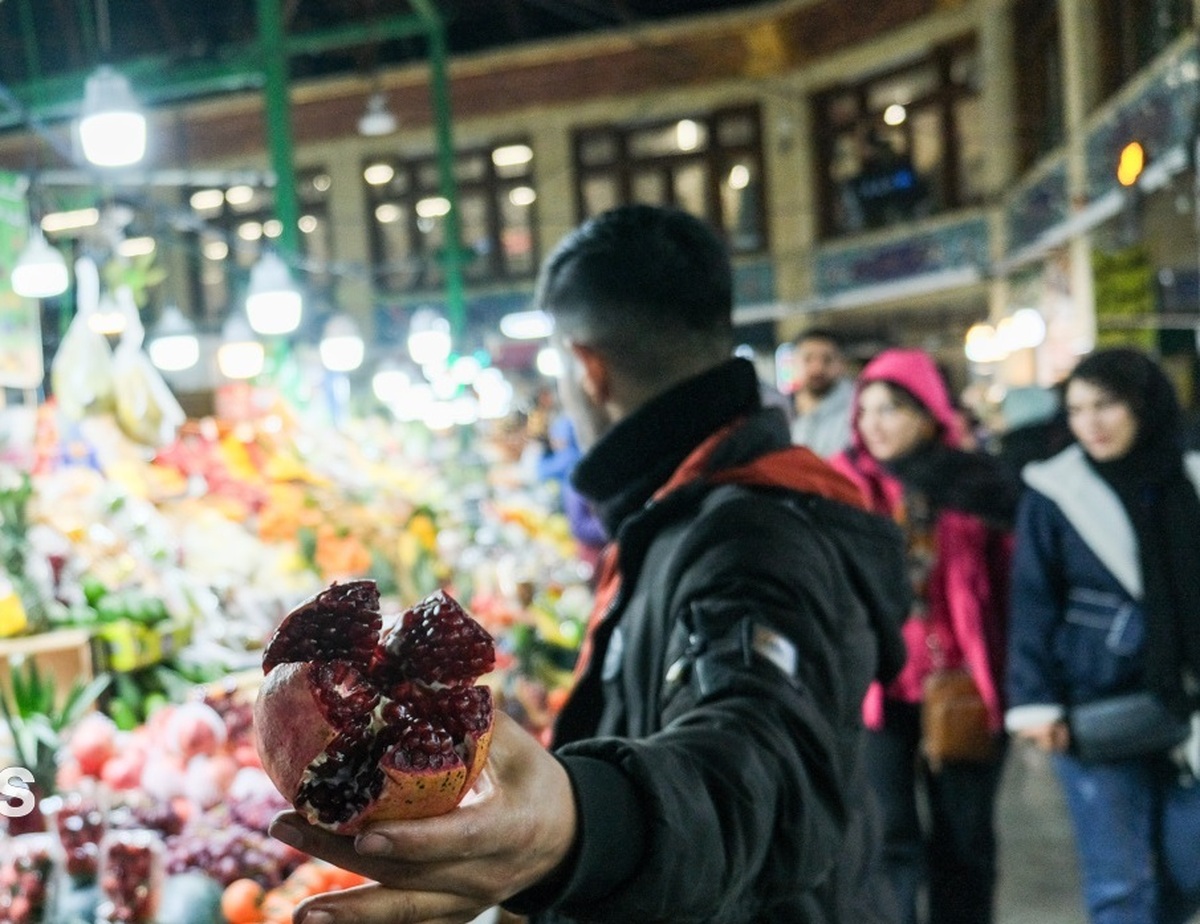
[138, 585]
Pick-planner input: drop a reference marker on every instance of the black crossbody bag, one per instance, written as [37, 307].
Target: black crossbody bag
[1121, 727]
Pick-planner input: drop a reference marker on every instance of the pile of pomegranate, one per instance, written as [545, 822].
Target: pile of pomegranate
[356, 724]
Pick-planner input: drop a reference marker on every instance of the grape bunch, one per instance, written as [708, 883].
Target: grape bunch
[256, 811]
[225, 850]
[138, 810]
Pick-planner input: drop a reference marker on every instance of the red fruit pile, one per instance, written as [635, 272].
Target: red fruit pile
[26, 875]
[356, 725]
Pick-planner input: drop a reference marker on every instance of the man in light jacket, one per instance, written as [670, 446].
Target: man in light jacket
[823, 398]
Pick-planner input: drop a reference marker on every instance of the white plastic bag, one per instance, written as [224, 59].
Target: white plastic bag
[81, 374]
[147, 411]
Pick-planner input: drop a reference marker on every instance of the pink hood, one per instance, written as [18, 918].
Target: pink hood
[915, 371]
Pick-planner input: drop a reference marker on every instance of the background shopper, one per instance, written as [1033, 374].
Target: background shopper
[954, 508]
[823, 395]
[1106, 601]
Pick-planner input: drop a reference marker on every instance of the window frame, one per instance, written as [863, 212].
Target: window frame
[226, 222]
[491, 185]
[943, 97]
[716, 158]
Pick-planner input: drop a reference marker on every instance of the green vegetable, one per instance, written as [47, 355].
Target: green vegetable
[94, 589]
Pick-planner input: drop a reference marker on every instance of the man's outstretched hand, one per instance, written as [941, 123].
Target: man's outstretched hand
[514, 829]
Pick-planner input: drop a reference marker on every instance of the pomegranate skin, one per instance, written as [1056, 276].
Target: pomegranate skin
[290, 728]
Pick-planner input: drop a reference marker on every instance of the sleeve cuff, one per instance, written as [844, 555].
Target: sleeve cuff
[1020, 718]
[608, 846]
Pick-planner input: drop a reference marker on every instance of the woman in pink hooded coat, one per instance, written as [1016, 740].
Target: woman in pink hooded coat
[955, 508]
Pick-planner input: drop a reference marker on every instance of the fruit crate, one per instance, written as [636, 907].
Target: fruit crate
[64, 654]
[124, 645]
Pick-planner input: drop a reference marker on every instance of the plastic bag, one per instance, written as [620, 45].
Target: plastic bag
[146, 409]
[81, 374]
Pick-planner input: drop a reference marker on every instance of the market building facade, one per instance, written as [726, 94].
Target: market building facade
[899, 172]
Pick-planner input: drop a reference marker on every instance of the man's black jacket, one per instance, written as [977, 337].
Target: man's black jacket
[714, 739]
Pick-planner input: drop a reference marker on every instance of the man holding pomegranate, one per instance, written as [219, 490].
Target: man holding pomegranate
[707, 766]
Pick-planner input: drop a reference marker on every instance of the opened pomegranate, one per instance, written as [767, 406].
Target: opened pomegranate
[356, 725]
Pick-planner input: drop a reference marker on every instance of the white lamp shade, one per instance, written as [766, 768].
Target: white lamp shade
[527, 325]
[174, 353]
[390, 383]
[273, 303]
[429, 341]
[341, 346]
[377, 120]
[109, 318]
[983, 344]
[173, 345]
[549, 362]
[240, 355]
[1027, 329]
[41, 271]
[112, 130]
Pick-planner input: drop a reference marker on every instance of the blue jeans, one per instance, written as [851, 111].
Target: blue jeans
[957, 856]
[1137, 830]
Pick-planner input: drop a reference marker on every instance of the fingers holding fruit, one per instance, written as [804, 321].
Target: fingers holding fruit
[373, 904]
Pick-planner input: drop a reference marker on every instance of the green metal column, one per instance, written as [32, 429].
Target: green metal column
[29, 38]
[279, 126]
[87, 29]
[439, 92]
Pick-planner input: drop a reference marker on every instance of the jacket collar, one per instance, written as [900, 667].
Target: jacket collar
[1095, 511]
[624, 469]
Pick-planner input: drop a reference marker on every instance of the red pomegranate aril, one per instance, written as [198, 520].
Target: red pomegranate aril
[132, 865]
[394, 729]
[465, 711]
[343, 693]
[26, 877]
[345, 780]
[80, 824]
[437, 642]
[341, 623]
[421, 746]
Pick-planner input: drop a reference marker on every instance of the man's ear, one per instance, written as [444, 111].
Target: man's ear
[596, 379]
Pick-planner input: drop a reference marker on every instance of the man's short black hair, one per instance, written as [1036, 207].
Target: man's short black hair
[643, 260]
[821, 333]
[645, 281]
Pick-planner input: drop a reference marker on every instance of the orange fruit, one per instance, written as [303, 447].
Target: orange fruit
[278, 906]
[241, 902]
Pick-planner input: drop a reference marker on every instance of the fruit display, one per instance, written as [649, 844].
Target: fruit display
[245, 901]
[131, 876]
[28, 874]
[183, 568]
[80, 821]
[356, 723]
[224, 849]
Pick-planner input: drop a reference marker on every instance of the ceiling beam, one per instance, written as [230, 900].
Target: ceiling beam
[338, 37]
[162, 79]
